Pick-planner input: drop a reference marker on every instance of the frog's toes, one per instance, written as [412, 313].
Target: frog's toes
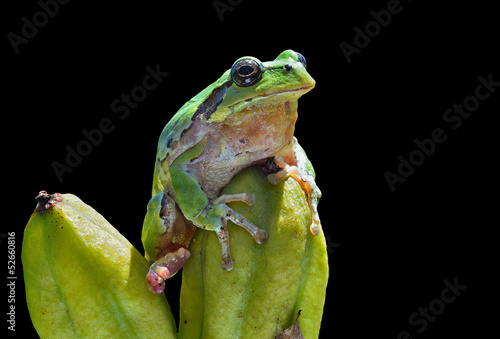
[258, 234]
[275, 178]
[248, 199]
[165, 267]
[226, 213]
[227, 262]
[306, 181]
[313, 198]
[262, 237]
[174, 260]
[156, 284]
[315, 227]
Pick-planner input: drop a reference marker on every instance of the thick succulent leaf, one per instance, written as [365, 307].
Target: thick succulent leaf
[84, 279]
[270, 282]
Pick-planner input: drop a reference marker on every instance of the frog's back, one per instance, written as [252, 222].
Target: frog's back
[168, 148]
[173, 129]
[183, 119]
[171, 132]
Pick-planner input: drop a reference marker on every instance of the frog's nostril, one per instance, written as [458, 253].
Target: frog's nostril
[287, 67]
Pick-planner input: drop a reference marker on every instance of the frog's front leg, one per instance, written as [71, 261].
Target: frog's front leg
[209, 215]
[295, 164]
[215, 216]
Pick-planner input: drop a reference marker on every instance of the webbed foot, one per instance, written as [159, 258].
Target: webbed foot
[165, 267]
[215, 218]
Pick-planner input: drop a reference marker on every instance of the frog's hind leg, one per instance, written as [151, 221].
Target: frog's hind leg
[166, 236]
[165, 267]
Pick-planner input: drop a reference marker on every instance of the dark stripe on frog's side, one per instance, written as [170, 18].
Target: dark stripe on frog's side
[209, 106]
[212, 102]
[206, 109]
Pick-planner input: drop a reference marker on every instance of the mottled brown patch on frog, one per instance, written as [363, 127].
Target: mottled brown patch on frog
[258, 126]
[172, 143]
[177, 233]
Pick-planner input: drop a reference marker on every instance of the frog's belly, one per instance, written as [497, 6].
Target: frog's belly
[216, 178]
[225, 158]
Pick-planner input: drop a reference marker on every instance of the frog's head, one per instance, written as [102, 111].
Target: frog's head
[251, 82]
[248, 94]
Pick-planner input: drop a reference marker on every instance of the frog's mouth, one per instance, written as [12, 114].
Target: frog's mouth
[300, 90]
[295, 93]
[211, 104]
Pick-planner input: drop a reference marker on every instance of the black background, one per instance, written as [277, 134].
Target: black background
[396, 248]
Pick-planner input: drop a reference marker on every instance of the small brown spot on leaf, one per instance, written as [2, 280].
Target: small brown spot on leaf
[46, 201]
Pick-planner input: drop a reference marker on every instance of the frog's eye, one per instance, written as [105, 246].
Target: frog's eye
[301, 59]
[246, 72]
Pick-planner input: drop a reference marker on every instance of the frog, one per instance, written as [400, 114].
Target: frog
[246, 117]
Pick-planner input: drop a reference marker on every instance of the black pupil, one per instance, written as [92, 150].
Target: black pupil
[245, 70]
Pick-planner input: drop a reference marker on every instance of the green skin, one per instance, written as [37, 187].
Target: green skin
[246, 117]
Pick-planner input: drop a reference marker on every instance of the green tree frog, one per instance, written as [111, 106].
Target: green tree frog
[246, 117]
